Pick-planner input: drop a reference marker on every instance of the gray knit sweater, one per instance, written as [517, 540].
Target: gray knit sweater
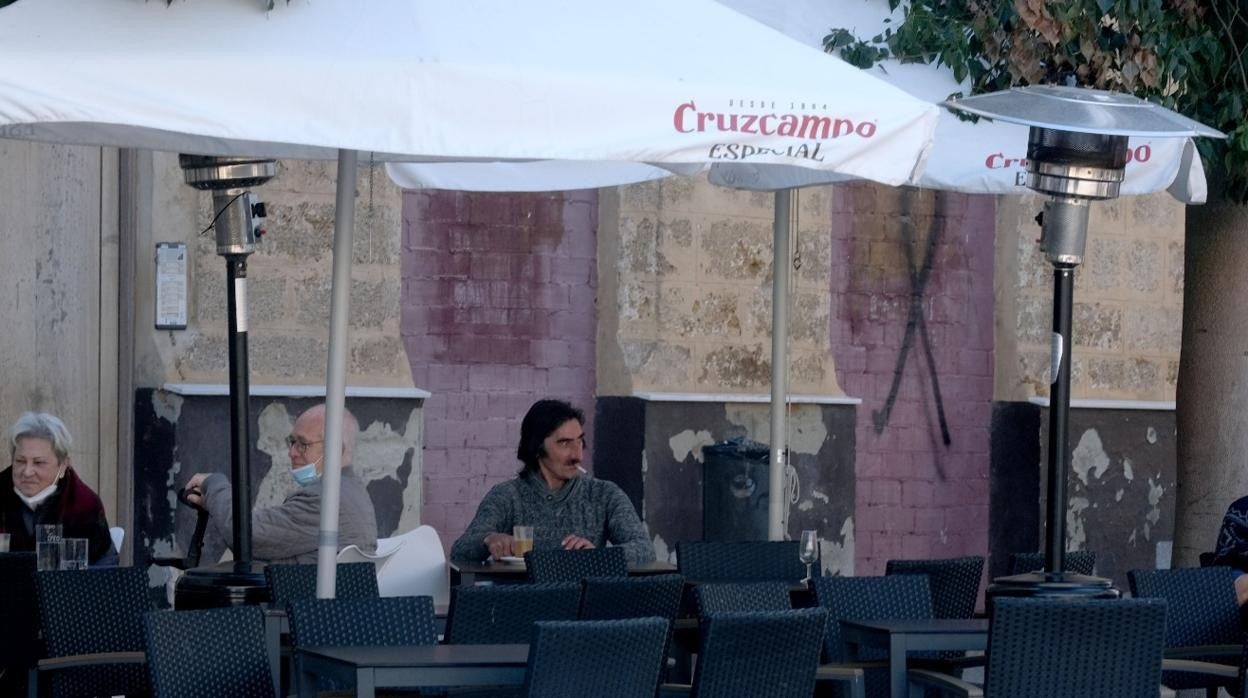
[597, 510]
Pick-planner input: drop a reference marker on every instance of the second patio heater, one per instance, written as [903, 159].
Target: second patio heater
[236, 214]
[1077, 152]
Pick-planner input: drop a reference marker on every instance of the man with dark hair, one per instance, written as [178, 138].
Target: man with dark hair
[565, 506]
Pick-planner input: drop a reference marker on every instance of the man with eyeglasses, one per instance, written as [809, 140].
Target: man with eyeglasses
[289, 532]
[565, 506]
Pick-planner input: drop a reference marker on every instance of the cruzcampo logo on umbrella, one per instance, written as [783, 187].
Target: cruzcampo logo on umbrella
[795, 121]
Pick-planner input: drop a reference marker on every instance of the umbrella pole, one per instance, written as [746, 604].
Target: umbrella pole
[336, 384]
[777, 524]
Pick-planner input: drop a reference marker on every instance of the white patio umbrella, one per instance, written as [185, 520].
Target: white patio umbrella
[425, 80]
[984, 157]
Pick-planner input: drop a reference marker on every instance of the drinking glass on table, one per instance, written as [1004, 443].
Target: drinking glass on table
[808, 550]
[4, 542]
[523, 536]
[47, 547]
[73, 554]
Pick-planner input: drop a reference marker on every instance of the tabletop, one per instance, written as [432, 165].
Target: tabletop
[503, 568]
[423, 655]
[371, 668]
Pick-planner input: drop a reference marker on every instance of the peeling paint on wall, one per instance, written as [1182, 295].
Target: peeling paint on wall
[167, 406]
[1155, 493]
[661, 552]
[1127, 471]
[807, 432]
[838, 555]
[1076, 536]
[1089, 456]
[690, 442]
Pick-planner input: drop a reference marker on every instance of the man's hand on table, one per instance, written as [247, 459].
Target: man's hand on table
[500, 545]
[575, 542]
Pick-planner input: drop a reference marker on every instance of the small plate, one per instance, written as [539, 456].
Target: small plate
[511, 560]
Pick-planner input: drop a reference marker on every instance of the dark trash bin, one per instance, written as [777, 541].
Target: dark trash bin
[734, 490]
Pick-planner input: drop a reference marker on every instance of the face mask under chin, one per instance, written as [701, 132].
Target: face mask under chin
[39, 497]
[306, 474]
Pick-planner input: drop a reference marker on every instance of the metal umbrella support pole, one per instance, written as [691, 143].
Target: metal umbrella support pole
[777, 523]
[1077, 152]
[237, 230]
[336, 374]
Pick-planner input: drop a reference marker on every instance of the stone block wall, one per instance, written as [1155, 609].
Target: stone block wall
[288, 282]
[498, 296]
[1128, 302]
[912, 336]
[686, 288]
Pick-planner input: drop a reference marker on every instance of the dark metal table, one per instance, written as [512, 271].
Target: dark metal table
[466, 572]
[371, 668]
[900, 637]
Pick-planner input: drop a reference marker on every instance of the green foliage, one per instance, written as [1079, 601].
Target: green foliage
[1187, 55]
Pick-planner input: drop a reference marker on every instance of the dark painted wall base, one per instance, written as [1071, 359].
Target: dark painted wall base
[653, 450]
[1120, 488]
[177, 436]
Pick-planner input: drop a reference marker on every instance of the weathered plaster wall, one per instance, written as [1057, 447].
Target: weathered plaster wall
[686, 286]
[912, 336]
[288, 282]
[657, 456]
[498, 305]
[1128, 302]
[58, 267]
[177, 436]
[1121, 488]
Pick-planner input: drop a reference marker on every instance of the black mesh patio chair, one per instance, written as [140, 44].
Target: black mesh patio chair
[896, 597]
[1046, 648]
[93, 627]
[20, 647]
[600, 658]
[899, 597]
[1202, 619]
[1077, 561]
[504, 614]
[546, 566]
[954, 582]
[746, 561]
[655, 596]
[353, 580]
[382, 622]
[741, 596]
[764, 653]
[209, 654]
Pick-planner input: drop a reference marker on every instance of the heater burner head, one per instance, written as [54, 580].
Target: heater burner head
[209, 172]
[1075, 164]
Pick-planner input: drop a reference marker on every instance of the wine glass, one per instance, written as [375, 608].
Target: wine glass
[808, 551]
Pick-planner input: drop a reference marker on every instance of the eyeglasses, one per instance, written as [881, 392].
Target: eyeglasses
[299, 444]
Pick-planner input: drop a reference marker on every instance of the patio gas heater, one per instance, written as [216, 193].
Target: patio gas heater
[1077, 152]
[236, 221]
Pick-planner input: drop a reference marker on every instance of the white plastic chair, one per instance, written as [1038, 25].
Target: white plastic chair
[119, 534]
[416, 565]
[353, 553]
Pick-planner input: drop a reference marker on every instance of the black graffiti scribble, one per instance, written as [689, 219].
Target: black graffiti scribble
[917, 322]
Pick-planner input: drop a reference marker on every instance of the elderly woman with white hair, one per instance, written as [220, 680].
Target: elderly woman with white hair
[41, 487]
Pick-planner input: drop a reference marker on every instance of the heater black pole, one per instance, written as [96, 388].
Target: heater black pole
[1059, 418]
[240, 420]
